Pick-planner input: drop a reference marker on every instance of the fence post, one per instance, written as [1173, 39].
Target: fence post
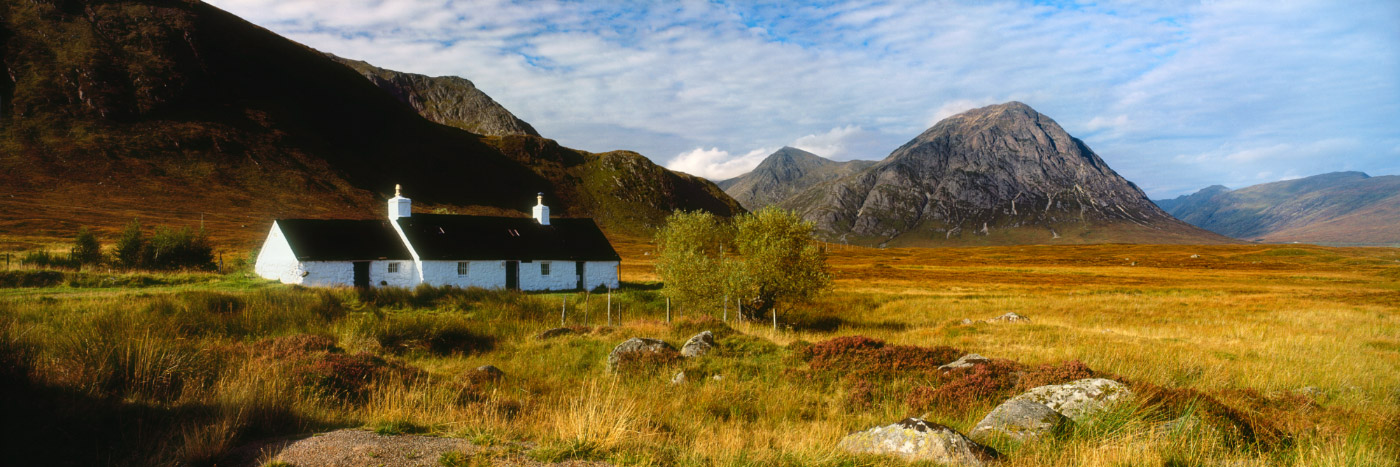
[668, 310]
[609, 307]
[726, 308]
[563, 308]
[775, 318]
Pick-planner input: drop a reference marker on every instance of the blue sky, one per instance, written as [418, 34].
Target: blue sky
[1175, 96]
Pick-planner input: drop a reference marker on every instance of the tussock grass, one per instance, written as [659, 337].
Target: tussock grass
[1271, 355]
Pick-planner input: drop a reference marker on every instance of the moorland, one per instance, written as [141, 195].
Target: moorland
[1286, 354]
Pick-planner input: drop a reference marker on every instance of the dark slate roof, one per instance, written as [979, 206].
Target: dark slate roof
[343, 240]
[451, 237]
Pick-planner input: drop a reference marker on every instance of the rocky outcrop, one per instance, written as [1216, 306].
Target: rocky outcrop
[965, 361]
[636, 345]
[784, 173]
[914, 439]
[998, 174]
[1079, 400]
[487, 373]
[1018, 419]
[1010, 317]
[699, 344]
[449, 100]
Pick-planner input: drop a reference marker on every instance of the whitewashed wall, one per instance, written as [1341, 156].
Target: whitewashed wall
[379, 275]
[276, 260]
[600, 273]
[485, 274]
[561, 276]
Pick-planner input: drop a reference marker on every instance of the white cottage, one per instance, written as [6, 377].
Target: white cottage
[466, 251]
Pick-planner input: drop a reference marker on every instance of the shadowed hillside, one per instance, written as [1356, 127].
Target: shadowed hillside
[166, 110]
[784, 173]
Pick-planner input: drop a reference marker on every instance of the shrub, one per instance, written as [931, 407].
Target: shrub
[872, 357]
[346, 377]
[86, 250]
[178, 249]
[43, 258]
[36, 278]
[130, 246]
[647, 363]
[437, 335]
[994, 380]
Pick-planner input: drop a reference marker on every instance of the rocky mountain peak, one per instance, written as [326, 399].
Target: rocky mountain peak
[1001, 174]
[449, 100]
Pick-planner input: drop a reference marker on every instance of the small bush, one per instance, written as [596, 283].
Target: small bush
[437, 335]
[994, 380]
[32, 278]
[348, 377]
[872, 357]
[647, 363]
[41, 258]
[86, 249]
[130, 246]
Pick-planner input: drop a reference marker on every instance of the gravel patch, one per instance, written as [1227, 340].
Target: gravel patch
[359, 448]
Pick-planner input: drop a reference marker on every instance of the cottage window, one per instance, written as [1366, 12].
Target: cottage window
[544, 268]
[463, 267]
[393, 267]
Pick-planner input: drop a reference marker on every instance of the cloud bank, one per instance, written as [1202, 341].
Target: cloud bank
[1174, 95]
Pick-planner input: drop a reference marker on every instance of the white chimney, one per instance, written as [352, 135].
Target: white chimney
[399, 206]
[541, 211]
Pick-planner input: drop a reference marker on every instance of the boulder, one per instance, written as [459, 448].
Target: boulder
[1018, 419]
[699, 344]
[914, 439]
[965, 361]
[679, 378]
[487, 373]
[1010, 318]
[552, 333]
[636, 344]
[1079, 400]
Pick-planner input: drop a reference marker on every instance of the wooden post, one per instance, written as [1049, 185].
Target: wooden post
[563, 308]
[726, 308]
[609, 307]
[741, 309]
[775, 318]
[668, 310]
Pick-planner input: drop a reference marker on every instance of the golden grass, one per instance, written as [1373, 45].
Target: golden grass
[1249, 325]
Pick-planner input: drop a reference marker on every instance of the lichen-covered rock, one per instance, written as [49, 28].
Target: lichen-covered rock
[965, 361]
[679, 378]
[1018, 419]
[1081, 399]
[699, 344]
[486, 373]
[1011, 317]
[552, 333]
[914, 439]
[636, 344]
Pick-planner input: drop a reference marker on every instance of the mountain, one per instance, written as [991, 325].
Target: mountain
[180, 113]
[448, 100]
[1002, 174]
[1335, 208]
[783, 174]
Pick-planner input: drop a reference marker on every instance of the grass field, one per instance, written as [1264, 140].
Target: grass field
[1289, 355]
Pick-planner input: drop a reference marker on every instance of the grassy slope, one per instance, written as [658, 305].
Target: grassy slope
[1246, 325]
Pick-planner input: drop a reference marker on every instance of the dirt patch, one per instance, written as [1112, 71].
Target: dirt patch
[358, 448]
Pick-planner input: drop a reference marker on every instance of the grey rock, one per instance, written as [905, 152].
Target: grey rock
[1311, 392]
[679, 378]
[552, 333]
[636, 344]
[699, 344]
[488, 372]
[717, 378]
[966, 321]
[1010, 318]
[1079, 400]
[965, 361]
[914, 439]
[1018, 419]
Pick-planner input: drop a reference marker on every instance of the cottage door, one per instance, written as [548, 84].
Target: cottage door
[513, 275]
[578, 268]
[361, 274]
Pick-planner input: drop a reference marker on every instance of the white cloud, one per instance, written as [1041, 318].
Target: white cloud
[716, 164]
[1141, 82]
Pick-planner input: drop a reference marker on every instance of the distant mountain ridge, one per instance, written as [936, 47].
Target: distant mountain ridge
[1002, 174]
[783, 174]
[1336, 208]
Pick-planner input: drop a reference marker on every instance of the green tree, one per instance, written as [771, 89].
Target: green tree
[760, 259]
[177, 249]
[690, 257]
[86, 250]
[131, 246]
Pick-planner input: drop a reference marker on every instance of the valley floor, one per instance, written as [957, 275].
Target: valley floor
[1291, 354]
